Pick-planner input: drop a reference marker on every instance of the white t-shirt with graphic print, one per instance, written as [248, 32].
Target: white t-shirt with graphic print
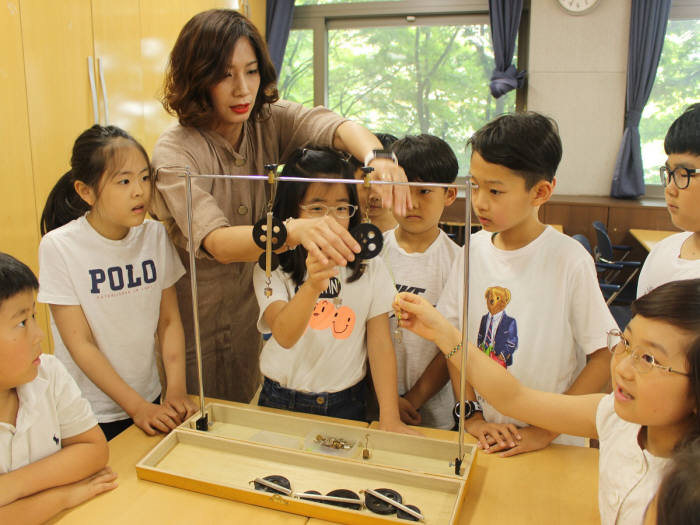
[331, 355]
[425, 274]
[555, 317]
[664, 264]
[119, 285]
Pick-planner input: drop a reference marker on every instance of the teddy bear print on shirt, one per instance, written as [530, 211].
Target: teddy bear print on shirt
[498, 332]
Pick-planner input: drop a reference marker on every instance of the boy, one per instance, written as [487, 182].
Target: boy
[678, 256]
[52, 453]
[419, 256]
[371, 202]
[535, 306]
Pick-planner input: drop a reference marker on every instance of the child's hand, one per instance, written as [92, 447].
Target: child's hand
[397, 426]
[182, 404]
[83, 490]
[493, 437]
[533, 438]
[155, 418]
[419, 316]
[319, 273]
[408, 412]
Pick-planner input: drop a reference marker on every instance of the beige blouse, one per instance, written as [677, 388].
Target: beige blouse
[227, 304]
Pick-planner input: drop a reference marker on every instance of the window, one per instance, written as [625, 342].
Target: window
[675, 88]
[426, 72]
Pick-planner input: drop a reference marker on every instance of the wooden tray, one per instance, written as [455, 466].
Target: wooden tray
[224, 467]
[411, 453]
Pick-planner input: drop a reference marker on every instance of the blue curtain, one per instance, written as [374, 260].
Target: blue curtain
[505, 19]
[278, 22]
[647, 32]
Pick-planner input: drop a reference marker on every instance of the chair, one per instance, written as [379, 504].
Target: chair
[607, 288]
[604, 253]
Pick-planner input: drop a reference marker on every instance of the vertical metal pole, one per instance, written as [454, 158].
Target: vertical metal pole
[465, 321]
[202, 422]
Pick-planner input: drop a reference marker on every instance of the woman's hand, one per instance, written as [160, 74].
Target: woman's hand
[319, 273]
[324, 238]
[393, 196]
[419, 316]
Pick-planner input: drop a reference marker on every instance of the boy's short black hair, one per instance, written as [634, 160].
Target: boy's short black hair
[426, 158]
[684, 134]
[527, 143]
[15, 277]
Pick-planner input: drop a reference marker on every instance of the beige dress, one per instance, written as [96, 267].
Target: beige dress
[228, 310]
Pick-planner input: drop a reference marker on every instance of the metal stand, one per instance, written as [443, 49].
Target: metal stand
[203, 422]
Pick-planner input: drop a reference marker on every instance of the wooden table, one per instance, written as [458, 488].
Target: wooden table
[556, 485]
[649, 238]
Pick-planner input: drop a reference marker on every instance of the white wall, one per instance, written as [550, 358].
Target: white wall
[577, 75]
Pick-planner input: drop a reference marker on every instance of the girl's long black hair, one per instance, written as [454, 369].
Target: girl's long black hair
[92, 151]
[311, 164]
[678, 304]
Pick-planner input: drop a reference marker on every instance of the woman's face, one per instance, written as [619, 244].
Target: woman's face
[234, 96]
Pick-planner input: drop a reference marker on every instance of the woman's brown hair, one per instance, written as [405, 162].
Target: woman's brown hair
[199, 61]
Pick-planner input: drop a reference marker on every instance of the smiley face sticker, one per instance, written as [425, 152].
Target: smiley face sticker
[322, 316]
[343, 322]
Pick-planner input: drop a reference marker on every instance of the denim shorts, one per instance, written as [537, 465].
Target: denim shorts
[347, 404]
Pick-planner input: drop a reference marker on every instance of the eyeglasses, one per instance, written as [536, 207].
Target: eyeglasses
[680, 176]
[643, 363]
[342, 211]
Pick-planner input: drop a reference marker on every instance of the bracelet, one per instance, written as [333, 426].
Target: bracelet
[287, 222]
[454, 350]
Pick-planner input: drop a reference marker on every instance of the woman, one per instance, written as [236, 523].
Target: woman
[221, 85]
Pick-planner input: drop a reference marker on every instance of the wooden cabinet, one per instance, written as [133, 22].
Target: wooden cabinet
[47, 95]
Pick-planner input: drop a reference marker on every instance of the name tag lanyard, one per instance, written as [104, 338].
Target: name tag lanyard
[272, 224]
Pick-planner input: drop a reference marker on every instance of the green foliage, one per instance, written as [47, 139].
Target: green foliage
[403, 80]
[675, 88]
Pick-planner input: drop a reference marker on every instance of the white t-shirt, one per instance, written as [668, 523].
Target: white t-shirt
[664, 264]
[51, 408]
[423, 274]
[553, 313]
[119, 285]
[331, 355]
[629, 475]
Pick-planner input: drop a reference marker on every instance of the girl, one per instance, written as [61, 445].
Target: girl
[108, 276]
[653, 407]
[319, 314]
[678, 256]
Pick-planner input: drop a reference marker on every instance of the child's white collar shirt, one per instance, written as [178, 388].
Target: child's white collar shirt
[51, 408]
[629, 475]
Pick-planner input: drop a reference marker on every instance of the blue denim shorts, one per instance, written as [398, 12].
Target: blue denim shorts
[347, 404]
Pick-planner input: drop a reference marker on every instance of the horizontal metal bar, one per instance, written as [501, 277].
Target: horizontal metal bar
[331, 181]
[333, 499]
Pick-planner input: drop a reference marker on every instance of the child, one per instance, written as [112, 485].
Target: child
[678, 498]
[52, 454]
[653, 407]
[108, 276]
[678, 256]
[535, 304]
[319, 315]
[419, 256]
[371, 207]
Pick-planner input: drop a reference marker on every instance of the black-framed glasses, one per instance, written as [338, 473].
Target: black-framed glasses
[680, 176]
[643, 362]
[342, 211]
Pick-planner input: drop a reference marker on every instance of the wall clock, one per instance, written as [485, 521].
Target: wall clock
[578, 7]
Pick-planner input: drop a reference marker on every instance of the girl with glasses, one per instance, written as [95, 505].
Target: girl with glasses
[653, 407]
[325, 319]
[678, 256]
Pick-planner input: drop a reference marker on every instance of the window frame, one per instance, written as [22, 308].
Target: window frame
[320, 18]
[680, 10]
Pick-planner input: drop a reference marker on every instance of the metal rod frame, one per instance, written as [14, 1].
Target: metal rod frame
[465, 299]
